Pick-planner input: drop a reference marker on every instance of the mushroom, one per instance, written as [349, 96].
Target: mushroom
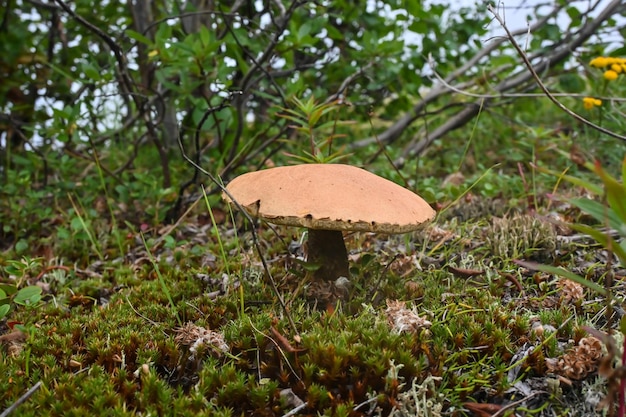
[328, 199]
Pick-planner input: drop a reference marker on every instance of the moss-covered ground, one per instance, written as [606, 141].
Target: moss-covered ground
[139, 317]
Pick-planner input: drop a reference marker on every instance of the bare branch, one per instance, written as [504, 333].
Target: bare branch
[394, 131]
[344, 85]
[521, 80]
[21, 400]
[606, 13]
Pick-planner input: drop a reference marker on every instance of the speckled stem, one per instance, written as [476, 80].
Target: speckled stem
[327, 249]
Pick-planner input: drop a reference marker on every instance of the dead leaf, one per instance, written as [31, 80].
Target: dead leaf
[513, 280]
[465, 273]
[14, 336]
[483, 410]
[283, 342]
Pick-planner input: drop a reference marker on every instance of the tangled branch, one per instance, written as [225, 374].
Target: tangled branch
[514, 86]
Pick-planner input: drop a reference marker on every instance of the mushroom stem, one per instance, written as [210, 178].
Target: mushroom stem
[327, 249]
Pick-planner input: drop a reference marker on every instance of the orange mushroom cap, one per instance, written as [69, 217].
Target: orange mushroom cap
[330, 197]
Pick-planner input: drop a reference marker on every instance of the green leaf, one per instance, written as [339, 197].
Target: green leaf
[565, 274]
[416, 9]
[21, 246]
[76, 224]
[138, 37]
[573, 12]
[4, 310]
[297, 120]
[615, 192]
[91, 71]
[572, 83]
[26, 294]
[308, 266]
[8, 289]
[600, 212]
[63, 233]
[604, 239]
[170, 242]
[34, 299]
[333, 32]
[595, 189]
[163, 35]
[419, 26]
[304, 30]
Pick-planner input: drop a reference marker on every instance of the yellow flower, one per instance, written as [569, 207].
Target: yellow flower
[599, 62]
[617, 68]
[590, 102]
[607, 61]
[610, 75]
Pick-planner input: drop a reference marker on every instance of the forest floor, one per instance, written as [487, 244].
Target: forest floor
[140, 318]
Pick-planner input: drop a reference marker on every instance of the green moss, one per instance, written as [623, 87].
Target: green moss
[107, 340]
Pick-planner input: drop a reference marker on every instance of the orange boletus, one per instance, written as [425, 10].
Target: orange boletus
[328, 199]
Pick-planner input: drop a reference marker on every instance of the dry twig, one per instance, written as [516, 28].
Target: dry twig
[255, 237]
[21, 400]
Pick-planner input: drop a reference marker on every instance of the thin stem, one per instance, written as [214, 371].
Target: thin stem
[621, 411]
[255, 237]
[327, 250]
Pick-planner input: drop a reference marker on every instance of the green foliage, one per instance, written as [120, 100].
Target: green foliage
[195, 67]
[610, 215]
[29, 296]
[15, 292]
[306, 119]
